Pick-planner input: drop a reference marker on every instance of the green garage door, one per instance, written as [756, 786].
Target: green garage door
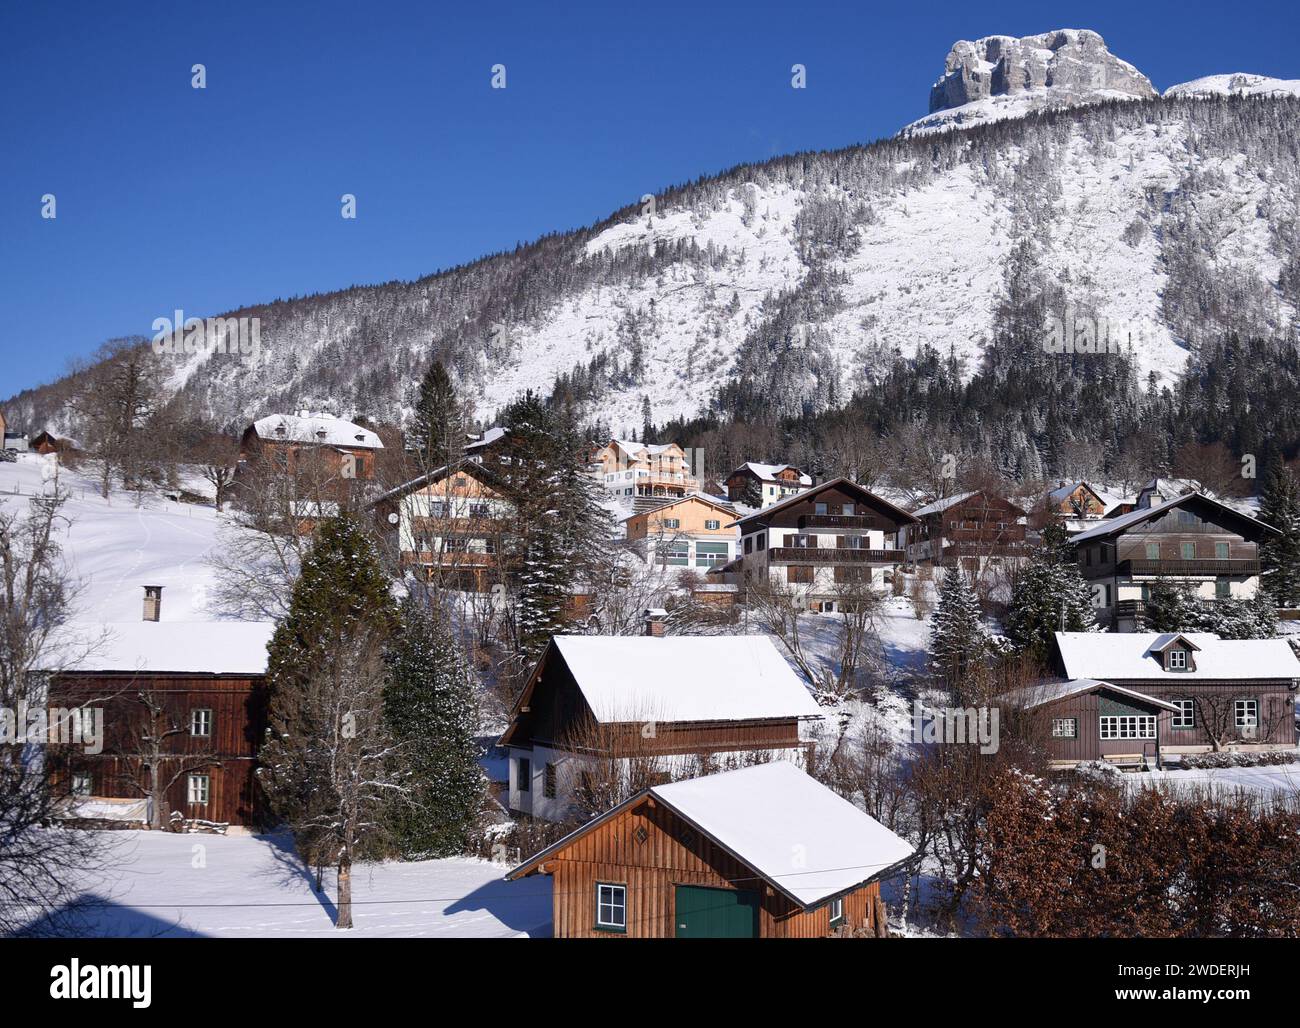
[716, 913]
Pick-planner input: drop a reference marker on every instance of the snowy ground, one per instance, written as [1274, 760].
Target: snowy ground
[232, 886]
[1281, 781]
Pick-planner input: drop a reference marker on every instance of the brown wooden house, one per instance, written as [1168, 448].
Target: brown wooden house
[761, 852]
[183, 710]
[762, 485]
[968, 530]
[1086, 720]
[336, 448]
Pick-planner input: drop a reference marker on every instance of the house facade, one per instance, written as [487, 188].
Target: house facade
[600, 711]
[759, 852]
[969, 530]
[1086, 720]
[762, 485]
[820, 542]
[320, 443]
[1229, 694]
[186, 698]
[629, 469]
[692, 532]
[1190, 539]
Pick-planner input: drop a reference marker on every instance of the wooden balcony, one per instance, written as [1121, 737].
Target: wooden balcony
[831, 555]
[1207, 566]
[864, 522]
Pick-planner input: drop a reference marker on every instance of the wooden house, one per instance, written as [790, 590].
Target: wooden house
[1086, 720]
[189, 697]
[760, 852]
[820, 542]
[969, 530]
[44, 442]
[1190, 539]
[319, 445]
[629, 469]
[691, 532]
[762, 485]
[1229, 694]
[597, 706]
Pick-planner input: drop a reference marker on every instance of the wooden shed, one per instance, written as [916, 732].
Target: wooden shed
[762, 852]
[1095, 720]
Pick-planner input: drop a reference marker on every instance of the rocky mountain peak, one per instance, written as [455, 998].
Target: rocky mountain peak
[1059, 68]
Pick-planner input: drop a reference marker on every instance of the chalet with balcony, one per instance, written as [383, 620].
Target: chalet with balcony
[762, 485]
[971, 530]
[601, 714]
[1190, 539]
[822, 542]
[1079, 504]
[630, 470]
[450, 526]
[693, 532]
[1226, 694]
[759, 852]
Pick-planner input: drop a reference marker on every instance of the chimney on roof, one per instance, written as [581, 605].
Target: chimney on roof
[152, 602]
[654, 621]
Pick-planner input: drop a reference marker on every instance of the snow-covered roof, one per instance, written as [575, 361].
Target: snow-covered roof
[307, 427]
[633, 449]
[684, 678]
[799, 836]
[768, 472]
[939, 506]
[898, 513]
[1050, 692]
[189, 647]
[1133, 655]
[713, 501]
[489, 437]
[1113, 526]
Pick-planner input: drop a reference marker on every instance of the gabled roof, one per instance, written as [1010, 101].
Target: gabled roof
[321, 429]
[632, 449]
[1136, 655]
[939, 506]
[896, 512]
[797, 835]
[464, 466]
[1116, 525]
[768, 472]
[725, 508]
[679, 678]
[1050, 692]
[187, 647]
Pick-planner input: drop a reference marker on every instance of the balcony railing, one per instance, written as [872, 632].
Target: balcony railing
[1208, 566]
[832, 555]
[862, 521]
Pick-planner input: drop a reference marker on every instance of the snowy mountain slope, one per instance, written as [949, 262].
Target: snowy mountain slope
[1239, 84]
[1174, 218]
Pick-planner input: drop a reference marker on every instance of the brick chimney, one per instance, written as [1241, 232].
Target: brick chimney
[152, 602]
[654, 621]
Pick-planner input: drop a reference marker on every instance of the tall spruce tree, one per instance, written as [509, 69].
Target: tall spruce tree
[437, 431]
[1279, 556]
[957, 636]
[432, 713]
[1049, 595]
[328, 761]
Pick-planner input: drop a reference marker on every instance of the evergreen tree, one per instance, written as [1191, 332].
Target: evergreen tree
[957, 636]
[1049, 595]
[1279, 557]
[1171, 607]
[432, 713]
[437, 432]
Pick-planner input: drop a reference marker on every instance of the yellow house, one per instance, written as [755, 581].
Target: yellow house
[694, 531]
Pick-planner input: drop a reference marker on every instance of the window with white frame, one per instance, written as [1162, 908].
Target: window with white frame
[201, 722]
[712, 525]
[678, 552]
[1177, 660]
[672, 522]
[199, 788]
[81, 785]
[1186, 716]
[708, 554]
[611, 906]
[1065, 728]
[1246, 715]
[1127, 726]
[837, 911]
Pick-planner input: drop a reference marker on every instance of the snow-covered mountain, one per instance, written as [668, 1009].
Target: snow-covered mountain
[1174, 218]
[1237, 84]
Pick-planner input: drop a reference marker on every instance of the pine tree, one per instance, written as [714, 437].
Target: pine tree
[1171, 607]
[1279, 557]
[432, 713]
[1049, 595]
[437, 431]
[957, 636]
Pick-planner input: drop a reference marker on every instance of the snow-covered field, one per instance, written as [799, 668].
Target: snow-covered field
[1281, 781]
[162, 884]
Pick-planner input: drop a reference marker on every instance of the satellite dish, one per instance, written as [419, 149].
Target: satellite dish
[393, 518]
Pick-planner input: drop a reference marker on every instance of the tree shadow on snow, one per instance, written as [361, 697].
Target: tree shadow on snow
[94, 916]
[524, 906]
[287, 867]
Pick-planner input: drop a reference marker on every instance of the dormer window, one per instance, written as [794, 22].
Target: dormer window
[1176, 660]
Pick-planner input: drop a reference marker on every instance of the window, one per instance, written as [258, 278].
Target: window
[198, 790]
[799, 574]
[819, 508]
[1246, 716]
[81, 785]
[762, 543]
[548, 782]
[201, 722]
[837, 911]
[1186, 716]
[1176, 660]
[712, 525]
[749, 544]
[524, 775]
[672, 522]
[1127, 726]
[611, 907]
[1189, 551]
[709, 554]
[1153, 551]
[1221, 551]
[1222, 588]
[847, 509]
[678, 552]
[1065, 728]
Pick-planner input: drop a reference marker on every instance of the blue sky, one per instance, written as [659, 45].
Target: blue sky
[205, 200]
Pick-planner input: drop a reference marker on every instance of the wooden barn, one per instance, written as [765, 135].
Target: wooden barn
[762, 852]
[185, 698]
